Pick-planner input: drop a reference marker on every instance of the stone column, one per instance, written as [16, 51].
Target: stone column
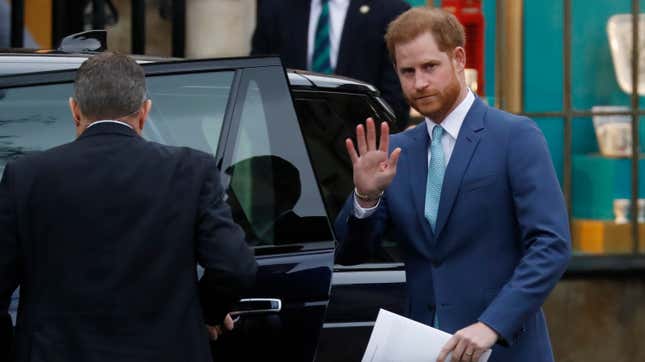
[219, 28]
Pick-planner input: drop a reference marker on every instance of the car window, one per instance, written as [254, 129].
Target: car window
[34, 119]
[328, 118]
[187, 110]
[272, 188]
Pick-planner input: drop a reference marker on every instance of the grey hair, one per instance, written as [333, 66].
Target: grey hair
[109, 86]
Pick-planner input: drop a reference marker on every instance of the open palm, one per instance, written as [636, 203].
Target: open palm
[373, 168]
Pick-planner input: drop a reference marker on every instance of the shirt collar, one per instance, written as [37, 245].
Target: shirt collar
[109, 121]
[453, 121]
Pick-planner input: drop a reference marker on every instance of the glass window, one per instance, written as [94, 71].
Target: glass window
[594, 161]
[327, 120]
[34, 119]
[543, 68]
[591, 51]
[188, 109]
[272, 190]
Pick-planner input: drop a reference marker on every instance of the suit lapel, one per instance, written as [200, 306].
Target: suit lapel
[355, 23]
[467, 142]
[300, 31]
[418, 174]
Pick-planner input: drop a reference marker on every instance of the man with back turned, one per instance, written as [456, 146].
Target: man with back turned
[103, 234]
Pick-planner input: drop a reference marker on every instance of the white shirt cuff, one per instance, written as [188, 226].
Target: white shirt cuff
[361, 212]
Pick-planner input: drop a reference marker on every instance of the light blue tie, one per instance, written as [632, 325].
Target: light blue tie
[436, 170]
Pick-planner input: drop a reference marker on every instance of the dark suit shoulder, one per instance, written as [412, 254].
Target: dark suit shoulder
[181, 152]
[35, 157]
[392, 7]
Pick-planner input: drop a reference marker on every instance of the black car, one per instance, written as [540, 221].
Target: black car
[278, 137]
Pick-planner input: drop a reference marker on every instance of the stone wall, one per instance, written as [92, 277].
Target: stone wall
[598, 319]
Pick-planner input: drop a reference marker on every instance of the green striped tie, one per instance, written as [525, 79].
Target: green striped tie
[320, 61]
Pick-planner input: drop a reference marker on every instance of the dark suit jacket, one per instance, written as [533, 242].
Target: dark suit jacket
[282, 28]
[6, 338]
[502, 236]
[103, 235]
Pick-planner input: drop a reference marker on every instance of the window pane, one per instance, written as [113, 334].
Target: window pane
[327, 120]
[543, 57]
[273, 192]
[593, 76]
[188, 109]
[601, 188]
[34, 119]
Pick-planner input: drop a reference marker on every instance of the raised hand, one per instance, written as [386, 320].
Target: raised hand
[373, 168]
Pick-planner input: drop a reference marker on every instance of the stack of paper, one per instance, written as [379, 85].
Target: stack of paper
[396, 338]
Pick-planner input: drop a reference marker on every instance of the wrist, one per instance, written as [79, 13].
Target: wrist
[370, 198]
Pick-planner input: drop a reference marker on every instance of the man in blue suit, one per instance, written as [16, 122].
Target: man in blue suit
[472, 196]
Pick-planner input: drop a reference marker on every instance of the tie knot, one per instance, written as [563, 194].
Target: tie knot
[437, 132]
[324, 2]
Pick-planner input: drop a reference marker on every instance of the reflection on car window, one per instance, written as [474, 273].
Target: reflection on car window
[188, 109]
[34, 119]
[272, 189]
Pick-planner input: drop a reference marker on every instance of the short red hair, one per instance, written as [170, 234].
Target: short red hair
[444, 27]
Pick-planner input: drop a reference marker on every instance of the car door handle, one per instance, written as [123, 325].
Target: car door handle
[256, 306]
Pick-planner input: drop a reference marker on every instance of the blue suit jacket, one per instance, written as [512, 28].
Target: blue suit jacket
[502, 236]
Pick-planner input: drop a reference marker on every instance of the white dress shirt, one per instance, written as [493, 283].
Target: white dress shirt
[451, 125]
[109, 121]
[337, 14]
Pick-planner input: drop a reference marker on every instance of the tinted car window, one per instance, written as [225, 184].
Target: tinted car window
[327, 119]
[34, 119]
[272, 190]
[188, 109]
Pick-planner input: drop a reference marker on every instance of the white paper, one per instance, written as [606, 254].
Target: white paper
[397, 339]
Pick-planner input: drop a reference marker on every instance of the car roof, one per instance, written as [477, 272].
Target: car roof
[22, 61]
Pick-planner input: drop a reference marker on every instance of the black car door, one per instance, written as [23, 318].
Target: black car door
[239, 110]
[358, 291]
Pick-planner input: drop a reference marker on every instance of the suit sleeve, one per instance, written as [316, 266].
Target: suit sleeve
[542, 218]
[229, 264]
[358, 239]
[390, 86]
[261, 42]
[9, 260]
